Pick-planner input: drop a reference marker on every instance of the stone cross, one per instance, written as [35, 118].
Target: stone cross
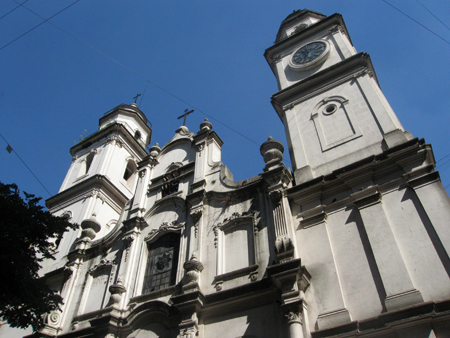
[186, 113]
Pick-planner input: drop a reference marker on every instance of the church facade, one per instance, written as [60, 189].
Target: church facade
[352, 242]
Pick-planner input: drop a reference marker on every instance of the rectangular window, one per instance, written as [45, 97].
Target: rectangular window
[162, 263]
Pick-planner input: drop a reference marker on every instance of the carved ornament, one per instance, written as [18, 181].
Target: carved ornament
[128, 240]
[276, 59]
[104, 263]
[142, 173]
[196, 214]
[164, 227]
[293, 317]
[237, 218]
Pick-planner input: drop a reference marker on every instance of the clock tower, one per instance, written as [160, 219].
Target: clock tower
[329, 99]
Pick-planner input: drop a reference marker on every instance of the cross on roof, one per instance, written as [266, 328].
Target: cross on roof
[186, 113]
[136, 97]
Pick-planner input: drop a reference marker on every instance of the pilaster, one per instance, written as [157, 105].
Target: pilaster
[400, 291]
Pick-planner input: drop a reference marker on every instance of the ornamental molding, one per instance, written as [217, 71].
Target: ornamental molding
[196, 214]
[337, 29]
[53, 318]
[236, 219]
[293, 317]
[164, 228]
[276, 59]
[104, 264]
[200, 147]
[142, 173]
[127, 241]
[364, 71]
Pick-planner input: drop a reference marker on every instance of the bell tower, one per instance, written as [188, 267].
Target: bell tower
[329, 99]
[103, 174]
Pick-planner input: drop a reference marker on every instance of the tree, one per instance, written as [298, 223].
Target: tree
[26, 240]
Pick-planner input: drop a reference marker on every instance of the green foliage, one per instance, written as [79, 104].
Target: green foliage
[27, 235]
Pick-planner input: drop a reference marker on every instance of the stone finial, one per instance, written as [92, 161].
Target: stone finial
[155, 150]
[90, 227]
[183, 130]
[116, 291]
[193, 268]
[272, 152]
[205, 125]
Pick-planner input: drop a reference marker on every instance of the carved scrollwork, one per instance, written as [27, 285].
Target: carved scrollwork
[165, 227]
[219, 286]
[200, 147]
[293, 317]
[216, 236]
[276, 196]
[236, 218]
[104, 263]
[196, 214]
[142, 173]
[74, 326]
[53, 318]
[127, 241]
[190, 332]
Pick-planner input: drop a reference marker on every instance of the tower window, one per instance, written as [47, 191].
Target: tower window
[86, 164]
[128, 175]
[137, 135]
[171, 183]
[162, 263]
[89, 159]
[330, 109]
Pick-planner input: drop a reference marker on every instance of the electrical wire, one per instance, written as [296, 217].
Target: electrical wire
[146, 79]
[40, 24]
[12, 10]
[31, 171]
[417, 22]
[433, 15]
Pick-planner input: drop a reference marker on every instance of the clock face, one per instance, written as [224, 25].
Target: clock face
[308, 53]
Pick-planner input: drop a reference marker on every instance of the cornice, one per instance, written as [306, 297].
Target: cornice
[335, 19]
[100, 182]
[114, 127]
[355, 66]
[323, 188]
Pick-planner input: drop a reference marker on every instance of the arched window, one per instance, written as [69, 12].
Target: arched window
[130, 173]
[137, 135]
[162, 263]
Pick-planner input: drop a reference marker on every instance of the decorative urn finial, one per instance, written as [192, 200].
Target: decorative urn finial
[272, 152]
[206, 125]
[155, 150]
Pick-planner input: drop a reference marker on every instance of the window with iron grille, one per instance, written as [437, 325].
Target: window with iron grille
[171, 183]
[162, 263]
[169, 188]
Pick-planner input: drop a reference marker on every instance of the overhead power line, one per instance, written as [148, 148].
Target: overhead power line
[144, 78]
[12, 10]
[417, 22]
[11, 149]
[40, 24]
[433, 15]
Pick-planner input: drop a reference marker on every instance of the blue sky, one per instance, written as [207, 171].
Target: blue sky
[206, 55]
